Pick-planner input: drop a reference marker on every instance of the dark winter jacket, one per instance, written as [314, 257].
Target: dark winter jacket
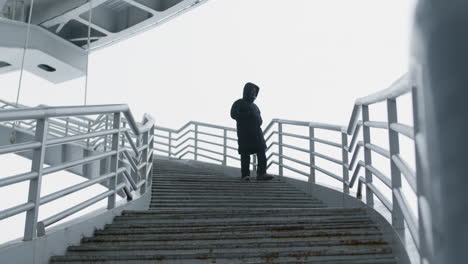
[246, 113]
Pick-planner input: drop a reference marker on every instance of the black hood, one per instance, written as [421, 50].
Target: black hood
[247, 92]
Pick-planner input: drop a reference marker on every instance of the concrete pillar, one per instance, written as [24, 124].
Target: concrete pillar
[440, 70]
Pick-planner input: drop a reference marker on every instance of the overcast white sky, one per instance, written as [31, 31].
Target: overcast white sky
[311, 59]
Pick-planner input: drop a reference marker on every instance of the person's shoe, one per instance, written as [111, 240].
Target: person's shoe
[245, 178]
[264, 177]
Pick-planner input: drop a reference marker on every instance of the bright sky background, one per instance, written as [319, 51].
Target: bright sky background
[311, 59]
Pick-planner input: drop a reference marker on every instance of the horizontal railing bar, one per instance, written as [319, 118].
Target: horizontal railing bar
[20, 147]
[141, 148]
[141, 165]
[209, 134]
[57, 217]
[378, 150]
[161, 143]
[131, 160]
[380, 175]
[354, 158]
[229, 147]
[410, 219]
[271, 145]
[183, 142]
[381, 197]
[59, 194]
[139, 184]
[232, 157]
[18, 178]
[327, 142]
[376, 124]
[291, 168]
[405, 169]
[184, 148]
[271, 135]
[68, 139]
[208, 157]
[292, 159]
[60, 111]
[129, 178]
[161, 136]
[183, 135]
[210, 143]
[339, 162]
[354, 120]
[210, 151]
[161, 150]
[72, 164]
[336, 177]
[294, 135]
[355, 137]
[310, 124]
[309, 138]
[130, 141]
[403, 129]
[296, 148]
[355, 173]
[16, 210]
[232, 139]
[213, 126]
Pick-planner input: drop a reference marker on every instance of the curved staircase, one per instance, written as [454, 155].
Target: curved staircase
[200, 216]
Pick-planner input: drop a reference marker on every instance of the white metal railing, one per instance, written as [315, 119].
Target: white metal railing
[187, 140]
[83, 125]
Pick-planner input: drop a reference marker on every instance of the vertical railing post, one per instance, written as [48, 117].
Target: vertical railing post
[367, 155]
[114, 166]
[123, 138]
[255, 164]
[394, 148]
[280, 148]
[423, 187]
[88, 131]
[312, 154]
[144, 158]
[224, 147]
[105, 138]
[35, 184]
[170, 144]
[67, 123]
[196, 142]
[151, 153]
[344, 159]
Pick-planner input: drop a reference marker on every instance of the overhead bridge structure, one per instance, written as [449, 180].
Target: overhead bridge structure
[183, 200]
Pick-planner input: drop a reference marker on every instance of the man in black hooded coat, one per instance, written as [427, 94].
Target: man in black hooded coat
[249, 132]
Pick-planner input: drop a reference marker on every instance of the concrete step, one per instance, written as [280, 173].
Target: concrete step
[260, 212]
[351, 249]
[227, 238]
[137, 229]
[220, 187]
[156, 192]
[279, 258]
[241, 222]
[258, 244]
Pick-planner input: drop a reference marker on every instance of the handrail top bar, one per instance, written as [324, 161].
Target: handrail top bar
[59, 111]
[193, 123]
[399, 87]
[43, 112]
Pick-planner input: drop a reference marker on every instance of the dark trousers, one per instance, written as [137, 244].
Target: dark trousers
[245, 164]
